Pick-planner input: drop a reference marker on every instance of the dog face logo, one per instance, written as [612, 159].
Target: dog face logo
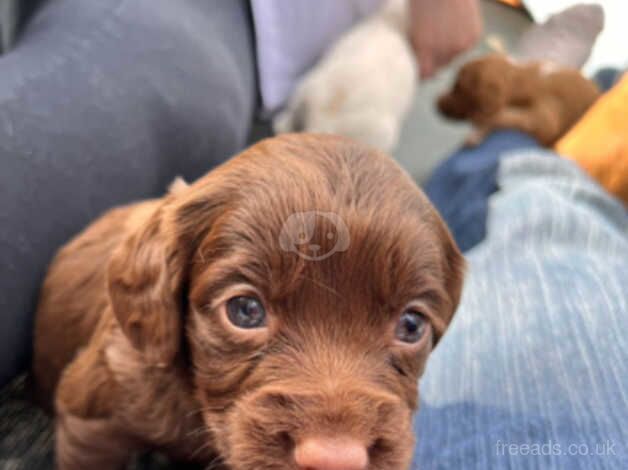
[302, 230]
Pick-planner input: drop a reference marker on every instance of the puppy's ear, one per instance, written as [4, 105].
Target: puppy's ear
[145, 278]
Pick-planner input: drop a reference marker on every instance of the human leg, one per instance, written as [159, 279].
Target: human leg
[102, 103]
[533, 372]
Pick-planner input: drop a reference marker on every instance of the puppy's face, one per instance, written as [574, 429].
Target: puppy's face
[303, 361]
[480, 90]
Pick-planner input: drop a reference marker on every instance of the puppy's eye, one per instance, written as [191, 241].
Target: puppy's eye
[411, 327]
[246, 312]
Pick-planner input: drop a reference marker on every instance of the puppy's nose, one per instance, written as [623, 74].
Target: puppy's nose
[331, 454]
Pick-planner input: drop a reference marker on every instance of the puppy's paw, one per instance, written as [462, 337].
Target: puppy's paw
[474, 139]
[282, 122]
[291, 119]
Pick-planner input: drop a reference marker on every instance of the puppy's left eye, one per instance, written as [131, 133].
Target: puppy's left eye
[411, 327]
[246, 312]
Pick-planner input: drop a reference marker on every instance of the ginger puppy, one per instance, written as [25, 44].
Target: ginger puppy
[541, 99]
[275, 314]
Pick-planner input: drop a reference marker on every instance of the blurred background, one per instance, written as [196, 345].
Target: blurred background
[437, 137]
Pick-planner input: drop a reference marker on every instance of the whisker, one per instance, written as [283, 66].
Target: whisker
[215, 463]
[197, 431]
[201, 448]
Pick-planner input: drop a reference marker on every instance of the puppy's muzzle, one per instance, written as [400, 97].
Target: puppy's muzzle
[332, 428]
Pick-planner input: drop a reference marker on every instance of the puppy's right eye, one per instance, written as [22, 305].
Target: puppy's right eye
[411, 327]
[246, 312]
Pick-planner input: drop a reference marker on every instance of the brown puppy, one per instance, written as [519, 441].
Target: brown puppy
[494, 92]
[276, 314]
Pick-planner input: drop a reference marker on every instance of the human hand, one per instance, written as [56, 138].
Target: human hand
[442, 29]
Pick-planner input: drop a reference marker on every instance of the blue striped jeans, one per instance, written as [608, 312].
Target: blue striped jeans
[533, 373]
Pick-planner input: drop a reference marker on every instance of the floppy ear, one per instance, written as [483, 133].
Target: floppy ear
[145, 278]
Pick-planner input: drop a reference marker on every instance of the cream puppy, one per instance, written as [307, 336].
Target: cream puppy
[363, 86]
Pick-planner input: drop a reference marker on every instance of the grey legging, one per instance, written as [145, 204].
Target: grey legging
[103, 102]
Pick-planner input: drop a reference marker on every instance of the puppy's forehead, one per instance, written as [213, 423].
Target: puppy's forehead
[300, 173]
[370, 228]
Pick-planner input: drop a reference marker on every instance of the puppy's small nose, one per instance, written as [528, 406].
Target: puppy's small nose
[331, 454]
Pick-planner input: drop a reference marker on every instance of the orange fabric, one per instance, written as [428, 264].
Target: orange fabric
[514, 3]
[599, 141]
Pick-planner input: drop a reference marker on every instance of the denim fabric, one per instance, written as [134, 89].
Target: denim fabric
[536, 359]
[103, 102]
[461, 185]
[606, 78]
